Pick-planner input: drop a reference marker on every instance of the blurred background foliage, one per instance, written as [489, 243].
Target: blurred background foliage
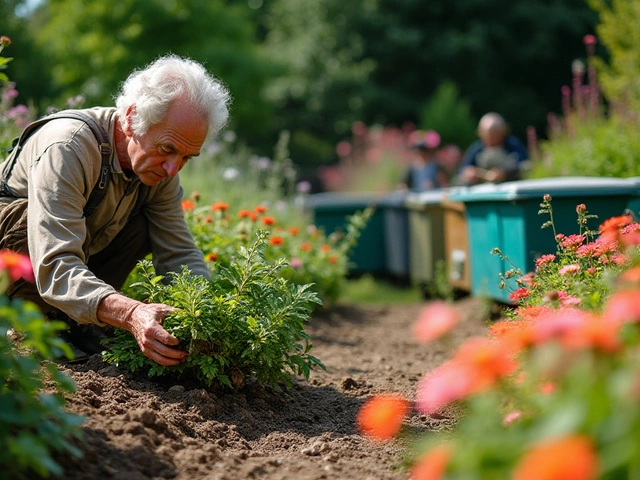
[313, 67]
[317, 68]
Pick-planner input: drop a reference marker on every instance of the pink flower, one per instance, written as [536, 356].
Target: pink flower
[581, 208]
[295, 263]
[568, 300]
[589, 39]
[623, 306]
[435, 320]
[545, 260]
[572, 241]
[511, 417]
[446, 384]
[573, 268]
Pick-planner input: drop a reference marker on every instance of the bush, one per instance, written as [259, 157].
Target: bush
[247, 322]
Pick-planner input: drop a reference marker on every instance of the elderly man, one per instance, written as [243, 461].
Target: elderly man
[81, 258]
[495, 157]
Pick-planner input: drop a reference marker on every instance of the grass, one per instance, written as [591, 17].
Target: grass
[369, 290]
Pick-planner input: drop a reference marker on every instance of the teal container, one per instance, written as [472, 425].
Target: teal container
[330, 213]
[506, 216]
[426, 235]
[396, 232]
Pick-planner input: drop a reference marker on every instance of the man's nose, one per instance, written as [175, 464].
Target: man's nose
[172, 165]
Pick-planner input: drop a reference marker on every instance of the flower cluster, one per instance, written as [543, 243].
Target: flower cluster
[552, 391]
[313, 257]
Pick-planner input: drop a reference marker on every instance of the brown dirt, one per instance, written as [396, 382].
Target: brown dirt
[139, 429]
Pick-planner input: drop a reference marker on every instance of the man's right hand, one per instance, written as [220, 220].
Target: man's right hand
[144, 321]
[154, 341]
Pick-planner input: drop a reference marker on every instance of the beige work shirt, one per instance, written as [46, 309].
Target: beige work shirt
[57, 170]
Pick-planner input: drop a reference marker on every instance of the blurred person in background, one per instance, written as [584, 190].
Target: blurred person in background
[495, 157]
[426, 172]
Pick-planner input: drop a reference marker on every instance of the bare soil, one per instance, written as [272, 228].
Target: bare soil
[138, 429]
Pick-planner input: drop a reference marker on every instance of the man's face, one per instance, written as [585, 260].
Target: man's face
[492, 138]
[165, 148]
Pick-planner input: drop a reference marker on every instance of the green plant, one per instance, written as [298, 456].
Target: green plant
[33, 422]
[246, 322]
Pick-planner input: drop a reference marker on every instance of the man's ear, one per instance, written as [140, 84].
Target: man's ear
[128, 120]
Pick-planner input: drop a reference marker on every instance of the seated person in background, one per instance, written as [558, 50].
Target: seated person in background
[495, 157]
[426, 172]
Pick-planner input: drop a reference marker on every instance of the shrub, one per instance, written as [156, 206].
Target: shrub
[246, 322]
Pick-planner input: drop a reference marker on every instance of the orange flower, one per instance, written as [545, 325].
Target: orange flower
[276, 240]
[631, 276]
[187, 205]
[513, 334]
[333, 259]
[17, 264]
[268, 220]
[610, 229]
[325, 248]
[305, 247]
[594, 333]
[222, 206]
[488, 359]
[253, 216]
[212, 257]
[244, 213]
[260, 209]
[435, 320]
[568, 458]
[293, 231]
[208, 219]
[381, 417]
[432, 465]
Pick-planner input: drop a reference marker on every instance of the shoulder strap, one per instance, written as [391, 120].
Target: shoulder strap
[100, 189]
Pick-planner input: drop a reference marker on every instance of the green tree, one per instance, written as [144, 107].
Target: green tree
[618, 31]
[94, 45]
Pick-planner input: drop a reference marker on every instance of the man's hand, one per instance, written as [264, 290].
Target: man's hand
[144, 321]
[154, 341]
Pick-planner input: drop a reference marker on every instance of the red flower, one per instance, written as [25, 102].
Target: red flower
[222, 206]
[276, 240]
[260, 209]
[212, 257]
[268, 220]
[187, 205]
[589, 39]
[333, 259]
[381, 416]
[244, 213]
[18, 265]
[293, 231]
[518, 294]
[305, 247]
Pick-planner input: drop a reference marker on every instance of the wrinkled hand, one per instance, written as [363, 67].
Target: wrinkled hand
[496, 175]
[154, 341]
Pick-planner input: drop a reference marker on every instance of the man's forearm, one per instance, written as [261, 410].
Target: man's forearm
[116, 310]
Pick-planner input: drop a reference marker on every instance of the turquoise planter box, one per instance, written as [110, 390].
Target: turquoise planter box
[330, 213]
[507, 216]
[426, 235]
[396, 231]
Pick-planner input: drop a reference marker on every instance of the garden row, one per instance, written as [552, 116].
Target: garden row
[448, 235]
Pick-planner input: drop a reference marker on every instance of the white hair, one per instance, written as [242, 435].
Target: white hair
[153, 88]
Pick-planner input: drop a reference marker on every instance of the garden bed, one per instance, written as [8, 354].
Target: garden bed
[141, 429]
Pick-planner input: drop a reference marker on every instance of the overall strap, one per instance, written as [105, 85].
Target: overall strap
[100, 189]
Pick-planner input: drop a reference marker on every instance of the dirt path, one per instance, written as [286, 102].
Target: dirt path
[137, 429]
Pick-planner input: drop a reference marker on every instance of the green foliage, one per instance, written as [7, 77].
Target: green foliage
[93, 46]
[246, 322]
[618, 31]
[33, 422]
[449, 115]
[605, 148]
